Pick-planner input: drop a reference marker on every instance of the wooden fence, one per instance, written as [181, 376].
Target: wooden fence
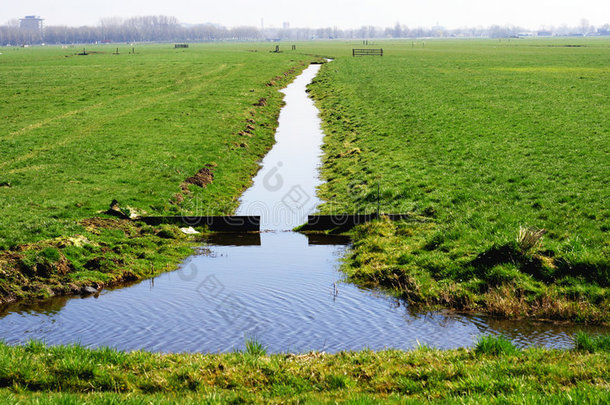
[367, 52]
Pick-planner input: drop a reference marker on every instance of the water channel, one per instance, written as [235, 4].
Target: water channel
[281, 287]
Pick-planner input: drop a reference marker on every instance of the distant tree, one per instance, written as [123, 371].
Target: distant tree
[245, 33]
[397, 32]
[585, 27]
[165, 28]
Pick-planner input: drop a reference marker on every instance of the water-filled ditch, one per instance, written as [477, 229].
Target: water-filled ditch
[280, 287]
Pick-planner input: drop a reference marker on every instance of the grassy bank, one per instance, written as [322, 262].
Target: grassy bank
[162, 131]
[106, 253]
[499, 150]
[492, 371]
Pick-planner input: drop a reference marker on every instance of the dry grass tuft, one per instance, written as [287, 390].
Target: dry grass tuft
[529, 238]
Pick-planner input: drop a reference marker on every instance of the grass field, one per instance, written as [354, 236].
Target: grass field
[493, 371]
[79, 131]
[499, 149]
[485, 143]
[489, 144]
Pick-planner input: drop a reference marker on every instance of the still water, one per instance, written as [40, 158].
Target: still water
[280, 287]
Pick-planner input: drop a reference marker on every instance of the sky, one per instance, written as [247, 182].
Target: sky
[532, 14]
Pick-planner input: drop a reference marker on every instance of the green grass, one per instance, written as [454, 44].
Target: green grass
[78, 132]
[74, 373]
[105, 253]
[483, 142]
[495, 346]
[486, 144]
[255, 348]
[592, 344]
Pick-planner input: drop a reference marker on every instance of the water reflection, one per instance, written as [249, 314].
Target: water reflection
[284, 290]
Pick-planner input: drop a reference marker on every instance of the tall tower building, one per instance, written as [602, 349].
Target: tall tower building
[31, 23]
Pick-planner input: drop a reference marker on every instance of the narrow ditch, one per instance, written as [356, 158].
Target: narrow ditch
[280, 287]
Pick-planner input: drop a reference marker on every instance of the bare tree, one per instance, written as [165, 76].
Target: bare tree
[585, 27]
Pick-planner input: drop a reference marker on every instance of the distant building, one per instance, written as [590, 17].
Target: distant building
[286, 25]
[544, 33]
[438, 31]
[31, 23]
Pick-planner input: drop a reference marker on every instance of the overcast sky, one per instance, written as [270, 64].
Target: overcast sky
[320, 13]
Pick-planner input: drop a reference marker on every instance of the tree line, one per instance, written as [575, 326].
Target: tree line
[169, 29]
[402, 31]
[137, 29]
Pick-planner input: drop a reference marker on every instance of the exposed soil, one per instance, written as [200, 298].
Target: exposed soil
[203, 177]
[261, 102]
[177, 198]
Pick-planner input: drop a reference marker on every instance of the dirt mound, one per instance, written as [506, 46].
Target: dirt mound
[203, 177]
[178, 198]
[261, 102]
